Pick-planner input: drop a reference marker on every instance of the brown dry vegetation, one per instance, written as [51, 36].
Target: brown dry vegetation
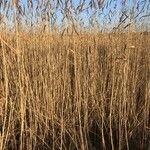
[71, 85]
[75, 92]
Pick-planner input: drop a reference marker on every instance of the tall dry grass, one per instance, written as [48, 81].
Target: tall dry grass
[64, 85]
[85, 92]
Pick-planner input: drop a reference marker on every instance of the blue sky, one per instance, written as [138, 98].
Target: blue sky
[104, 18]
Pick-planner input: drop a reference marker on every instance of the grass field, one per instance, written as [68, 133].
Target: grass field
[74, 75]
[77, 92]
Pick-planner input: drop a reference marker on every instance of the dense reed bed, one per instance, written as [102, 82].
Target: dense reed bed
[77, 92]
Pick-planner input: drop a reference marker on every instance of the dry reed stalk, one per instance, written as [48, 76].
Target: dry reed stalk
[69, 88]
